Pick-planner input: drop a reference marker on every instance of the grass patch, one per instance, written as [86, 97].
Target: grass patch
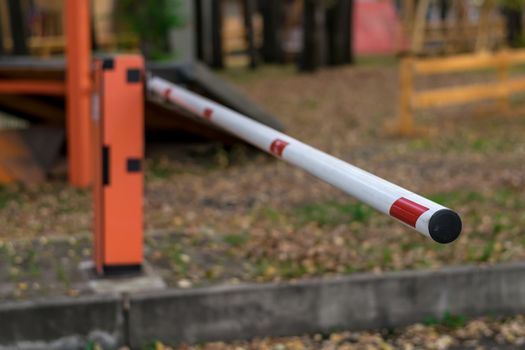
[62, 276]
[387, 256]
[461, 145]
[501, 225]
[91, 345]
[291, 269]
[271, 214]
[244, 75]
[421, 144]
[159, 168]
[332, 213]
[377, 61]
[179, 261]
[6, 196]
[236, 239]
[487, 252]
[448, 320]
[284, 269]
[31, 263]
[509, 199]
[310, 103]
[450, 198]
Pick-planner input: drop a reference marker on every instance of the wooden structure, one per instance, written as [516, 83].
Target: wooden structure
[411, 99]
[242, 37]
[454, 31]
[163, 122]
[42, 33]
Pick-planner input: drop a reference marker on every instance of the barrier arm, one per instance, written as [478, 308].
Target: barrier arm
[441, 224]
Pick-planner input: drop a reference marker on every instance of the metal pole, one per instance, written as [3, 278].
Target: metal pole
[425, 216]
[78, 50]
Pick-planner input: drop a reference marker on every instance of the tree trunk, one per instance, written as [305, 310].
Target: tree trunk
[217, 55]
[2, 44]
[18, 28]
[199, 52]
[272, 50]
[339, 26]
[514, 26]
[249, 9]
[313, 35]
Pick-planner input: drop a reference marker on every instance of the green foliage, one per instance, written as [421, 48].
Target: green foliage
[159, 168]
[236, 239]
[179, 260]
[456, 197]
[6, 196]
[487, 252]
[151, 20]
[448, 320]
[512, 4]
[91, 345]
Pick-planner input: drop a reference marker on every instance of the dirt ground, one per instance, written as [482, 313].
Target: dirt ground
[216, 215]
[452, 333]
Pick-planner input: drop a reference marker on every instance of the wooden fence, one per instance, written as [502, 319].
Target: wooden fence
[501, 89]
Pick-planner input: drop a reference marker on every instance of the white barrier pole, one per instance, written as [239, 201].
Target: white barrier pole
[427, 217]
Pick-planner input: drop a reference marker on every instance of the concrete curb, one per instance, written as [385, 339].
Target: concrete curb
[360, 301]
[62, 323]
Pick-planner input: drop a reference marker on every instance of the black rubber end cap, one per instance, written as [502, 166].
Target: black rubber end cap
[444, 226]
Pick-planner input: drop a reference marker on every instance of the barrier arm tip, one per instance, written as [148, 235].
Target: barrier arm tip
[445, 226]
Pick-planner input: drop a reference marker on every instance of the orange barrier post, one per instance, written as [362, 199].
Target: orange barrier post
[78, 50]
[118, 119]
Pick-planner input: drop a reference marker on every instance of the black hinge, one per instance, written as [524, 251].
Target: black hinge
[105, 165]
[134, 165]
[108, 63]
[133, 75]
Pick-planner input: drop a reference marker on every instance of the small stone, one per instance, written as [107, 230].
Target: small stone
[14, 271]
[184, 283]
[178, 221]
[339, 241]
[73, 292]
[444, 342]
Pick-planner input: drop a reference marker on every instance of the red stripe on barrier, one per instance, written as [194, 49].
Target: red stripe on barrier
[407, 211]
[277, 147]
[168, 95]
[208, 113]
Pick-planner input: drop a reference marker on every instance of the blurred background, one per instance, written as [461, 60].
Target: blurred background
[424, 93]
[232, 33]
